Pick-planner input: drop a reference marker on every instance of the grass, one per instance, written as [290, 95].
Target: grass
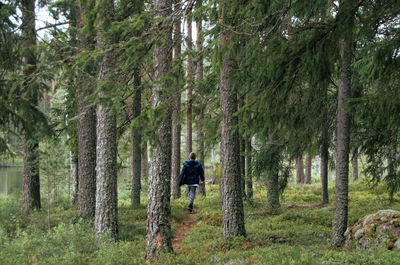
[298, 234]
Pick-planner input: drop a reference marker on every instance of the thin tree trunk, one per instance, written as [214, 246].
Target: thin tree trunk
[307, 179]
[189, 85]
[176, 109]
[339, 225]
[86, 136]
[232, 199]
[242, 166]
[354, 165]
[144, 167]
[300, 170]
[273, 180]
[106, 214]
[249, 178]
[324, 169]
[31, 187]
[136, 140]
[158, 209]
[74, 176]
[199, 76]
[200, 157]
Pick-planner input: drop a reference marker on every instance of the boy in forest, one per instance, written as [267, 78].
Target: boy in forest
[191, 174]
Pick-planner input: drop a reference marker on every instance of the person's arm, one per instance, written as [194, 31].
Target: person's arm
[201, 173]
[181, 176]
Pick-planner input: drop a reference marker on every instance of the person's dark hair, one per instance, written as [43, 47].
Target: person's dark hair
[192, 156]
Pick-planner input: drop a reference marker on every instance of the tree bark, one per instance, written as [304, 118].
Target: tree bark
[307, 179]
[199, 76]
[144, 167]
[324, 168]
[200, 157]
[189, 84]
[31, 186]
[74, 176]
[158, 208]
[273, 180]
[300, 170]
[243, 165]
[106, 214]
[176, 109]
[86, 136]
[249, 178]
[232, 199]
[339, 225]
[136, 140]
[354, 165]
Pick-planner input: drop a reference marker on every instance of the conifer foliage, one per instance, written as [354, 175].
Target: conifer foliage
[267, 83]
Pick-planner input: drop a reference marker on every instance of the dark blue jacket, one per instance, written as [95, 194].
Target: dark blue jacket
[191, 173]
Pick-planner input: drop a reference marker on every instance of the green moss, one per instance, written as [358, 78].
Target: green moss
[296, 235]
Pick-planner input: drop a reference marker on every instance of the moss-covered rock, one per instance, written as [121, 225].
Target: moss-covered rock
[374, 231]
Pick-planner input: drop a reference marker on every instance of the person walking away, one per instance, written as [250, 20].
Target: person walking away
[191, 175]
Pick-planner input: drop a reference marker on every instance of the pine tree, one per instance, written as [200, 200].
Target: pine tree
[307, 179]
[189, 78]
[346, 18]
[136, 141]
[232, 199]
[199, 77]
[249, 177]
[86, 126]
[176, 105]
[300, 170]
[31, 186]
[158, 209]
[106, 214]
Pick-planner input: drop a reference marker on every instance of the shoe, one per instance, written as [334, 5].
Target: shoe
[190, 208]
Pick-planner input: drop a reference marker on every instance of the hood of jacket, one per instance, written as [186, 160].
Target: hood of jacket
[192, 163]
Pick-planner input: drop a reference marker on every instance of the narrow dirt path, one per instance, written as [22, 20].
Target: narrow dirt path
[187, 225]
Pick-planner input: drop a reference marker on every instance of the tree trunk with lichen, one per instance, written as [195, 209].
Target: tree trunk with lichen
[231, 182]
[307, 179]
[339, 225]
[106, 214]
[31, 186]
[136, 140]
[176, 108]
[86, 134]
[158, 209]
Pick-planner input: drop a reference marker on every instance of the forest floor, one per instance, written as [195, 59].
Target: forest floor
[298, 233]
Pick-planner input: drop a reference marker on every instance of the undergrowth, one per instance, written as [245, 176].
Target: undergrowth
[297, 234]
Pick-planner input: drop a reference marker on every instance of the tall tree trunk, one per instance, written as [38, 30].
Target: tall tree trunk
[307, 179]
[106, 215]
[273, 179]
[249, 178]
[243, 165]
[354, 165]
[300, 170]
[158, 208]
[74, 176]
[136, 140]
[176, 108]
[189, 84]
[324, 168]
[339, 225]
[232, 199]
[31, 187]
[86, 135]
[144, 167]
[199, 76]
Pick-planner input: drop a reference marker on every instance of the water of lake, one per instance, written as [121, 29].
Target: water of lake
[11, 180]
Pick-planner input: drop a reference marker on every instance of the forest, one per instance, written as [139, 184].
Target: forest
[291, 107]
